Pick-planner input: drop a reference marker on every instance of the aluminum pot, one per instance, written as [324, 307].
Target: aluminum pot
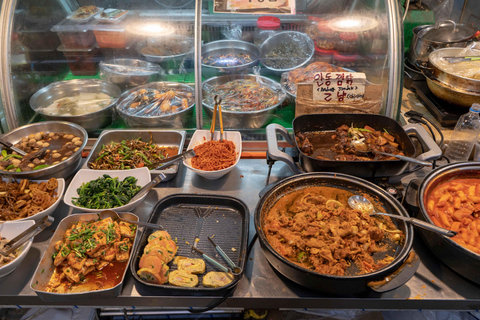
[444, 34]
[351, 284]
[90, 121]
[448, 251]
[127, 73]
[452, 88]
[242, 119]
[64, 169]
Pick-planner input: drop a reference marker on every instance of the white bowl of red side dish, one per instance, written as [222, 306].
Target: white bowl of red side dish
[202, 136]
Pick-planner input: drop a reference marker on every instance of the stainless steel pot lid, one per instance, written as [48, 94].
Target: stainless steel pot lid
[447, 31]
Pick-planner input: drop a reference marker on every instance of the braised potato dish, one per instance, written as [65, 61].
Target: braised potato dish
[455, 205]
[315, 229]
[92, 256]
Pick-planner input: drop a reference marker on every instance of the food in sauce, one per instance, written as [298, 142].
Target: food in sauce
[348, 144]
[91, 256]
[195, 266]
[159, 251]
[106, 192]
[214, 155]
[243, 95]
[215, 279]
[182, 278]
[227, 60]
[157, 102]
[285, 56]
[77, 105]
[4, 260]
[26, 198]
[316, 229]
[131, 154]
[455, 205]
[60, 146]
[307, 74]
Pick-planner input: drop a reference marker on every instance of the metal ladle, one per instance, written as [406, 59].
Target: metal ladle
[361, 146]
[362, 204]
[112, 214]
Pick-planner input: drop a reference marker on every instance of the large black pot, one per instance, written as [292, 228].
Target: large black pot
[456, 257]
[343, 285]
[363, 169]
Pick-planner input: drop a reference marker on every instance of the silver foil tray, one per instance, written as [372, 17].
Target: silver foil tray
[163, 138]
[46, 268]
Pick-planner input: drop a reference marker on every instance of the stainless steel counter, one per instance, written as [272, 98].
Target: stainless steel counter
[434, 286]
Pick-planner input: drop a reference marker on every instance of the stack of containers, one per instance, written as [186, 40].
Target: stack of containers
[326, 41]
[347, 50]
[78, 45]
[111, 35]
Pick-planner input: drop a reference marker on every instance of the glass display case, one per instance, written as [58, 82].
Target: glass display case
[168, 60]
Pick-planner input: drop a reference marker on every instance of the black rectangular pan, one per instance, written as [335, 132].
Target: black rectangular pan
[227, 221]
[364, 169]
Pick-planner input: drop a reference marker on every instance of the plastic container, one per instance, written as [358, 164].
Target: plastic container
[82, 62]
[327, 38]
[324, 55]
[74, 35]
[348, 44]
[344, 61]
[111, 36]
[266, 27]
[107, 15]
[464, 136]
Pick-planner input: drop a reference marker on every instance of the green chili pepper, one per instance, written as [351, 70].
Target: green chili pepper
[41, 166]
[144, 157]
[10, 167]
[18, 170]
[4, 153]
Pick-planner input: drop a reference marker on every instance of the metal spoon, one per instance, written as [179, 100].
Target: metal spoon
[112, 214]
[364, 205]
[361, 146]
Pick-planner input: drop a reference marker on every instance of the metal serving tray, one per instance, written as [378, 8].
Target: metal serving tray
[163, 138]
[45, 267]
[228, 222]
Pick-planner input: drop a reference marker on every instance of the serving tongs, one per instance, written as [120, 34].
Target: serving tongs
[217, 105]
[461, 59]
[16, 242]
[234, 269]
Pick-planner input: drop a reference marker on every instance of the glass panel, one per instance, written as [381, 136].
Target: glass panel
[125, 43]
[285, 50]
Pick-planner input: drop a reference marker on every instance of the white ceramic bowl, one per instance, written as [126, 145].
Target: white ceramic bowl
[87, 175]
[49, 211]
[10, 230]
[202, 136]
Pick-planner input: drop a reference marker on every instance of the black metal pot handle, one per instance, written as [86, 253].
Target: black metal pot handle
[272, 143]
[399, 277]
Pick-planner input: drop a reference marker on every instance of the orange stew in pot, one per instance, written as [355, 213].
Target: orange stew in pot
[455, 205]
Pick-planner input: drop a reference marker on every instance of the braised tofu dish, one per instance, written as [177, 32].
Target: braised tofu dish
[91, 256]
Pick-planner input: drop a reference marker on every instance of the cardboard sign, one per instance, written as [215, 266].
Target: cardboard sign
[255, 6]
[339, 86]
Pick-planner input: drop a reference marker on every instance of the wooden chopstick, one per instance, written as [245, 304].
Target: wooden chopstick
[221, 120]
[212, 127]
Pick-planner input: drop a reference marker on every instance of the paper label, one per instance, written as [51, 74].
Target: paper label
[339, 86]
[255, 6]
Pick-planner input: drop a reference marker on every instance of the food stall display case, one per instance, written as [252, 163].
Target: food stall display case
[205, 45]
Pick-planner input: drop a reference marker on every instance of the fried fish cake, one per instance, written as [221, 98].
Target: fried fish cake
[159, 234]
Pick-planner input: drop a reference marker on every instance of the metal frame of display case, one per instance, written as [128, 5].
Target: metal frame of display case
[392, 101]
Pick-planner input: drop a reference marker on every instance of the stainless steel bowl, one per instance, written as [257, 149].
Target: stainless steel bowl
[298, 39]
[172, 64]
[64, 169]
[90, 121]
[127, 73]
[243, 119]
[175, 120]
[224, 47]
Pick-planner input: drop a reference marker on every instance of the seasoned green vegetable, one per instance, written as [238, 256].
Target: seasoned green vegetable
[106, 192]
